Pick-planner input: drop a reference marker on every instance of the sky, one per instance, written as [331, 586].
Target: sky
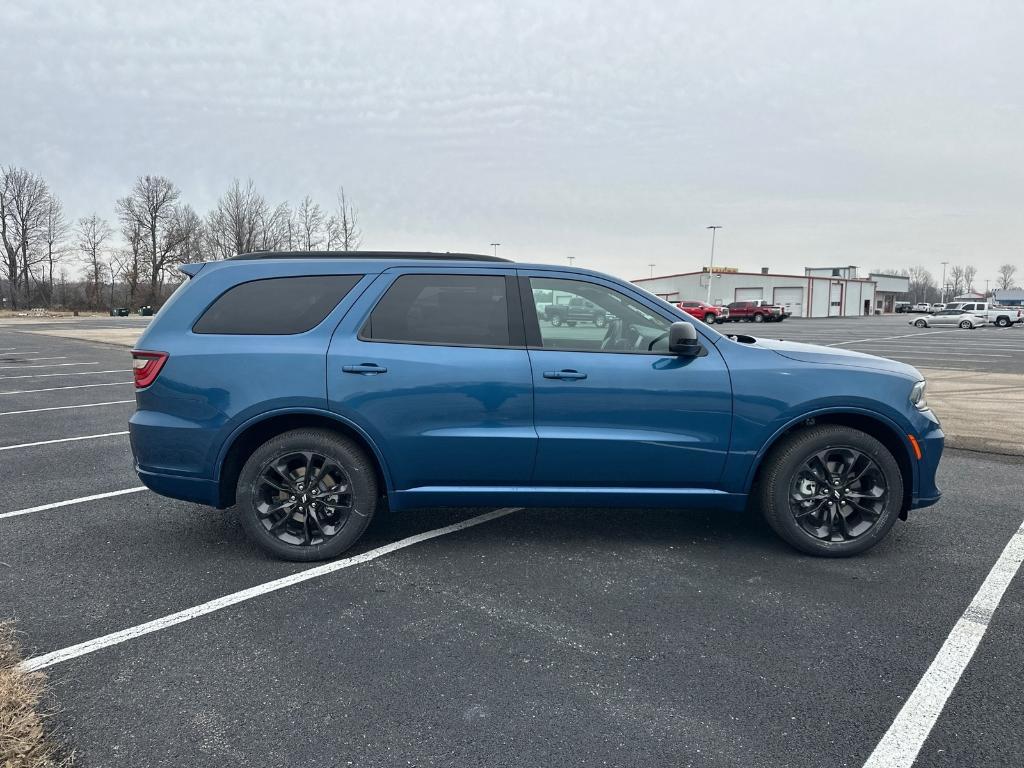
[879, 134]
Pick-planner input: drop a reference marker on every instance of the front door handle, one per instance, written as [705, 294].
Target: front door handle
[367, 369]
[565, 375]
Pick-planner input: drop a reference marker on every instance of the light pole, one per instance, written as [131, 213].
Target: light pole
[571, 259]
[711, 267]
[495, 247]
[944, 281]
[652, 266]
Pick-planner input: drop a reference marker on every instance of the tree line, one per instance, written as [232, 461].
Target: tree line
[153, 232]
[959, 279]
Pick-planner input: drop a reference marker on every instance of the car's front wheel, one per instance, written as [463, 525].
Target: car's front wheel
[709, 318]
[556, 321]
[831, 491]
[966, 324]
[306, 495]
[922, 323]
[758, 318]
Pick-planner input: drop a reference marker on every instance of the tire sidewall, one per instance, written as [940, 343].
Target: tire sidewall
[335, 447]
[791, 454]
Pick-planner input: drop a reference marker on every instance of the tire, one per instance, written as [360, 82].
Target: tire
[556, 321]
[709, 318]
[600, 321]
[781, 476]
[1003, 322]
[922, 323]
[342, 457]
[758, 318]
[966, 324]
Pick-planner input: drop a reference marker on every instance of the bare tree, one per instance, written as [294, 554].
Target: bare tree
[152, 204]
[23, 200]
[132, 258]
[970, 271]
[921, 283]
[343, 230]
[309, 222]
[188, 234]
[242, 222]
[1006, 275]
[54, 234]
[956, 280]
[93, 233]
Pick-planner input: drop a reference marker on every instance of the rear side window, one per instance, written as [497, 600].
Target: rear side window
[462, 310]
[276, 306]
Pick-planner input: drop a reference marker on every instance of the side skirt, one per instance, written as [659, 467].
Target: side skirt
[536, 496]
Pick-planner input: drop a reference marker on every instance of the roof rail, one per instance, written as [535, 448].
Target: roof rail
[393, 255]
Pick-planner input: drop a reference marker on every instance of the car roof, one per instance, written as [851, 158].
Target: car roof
[363, 255]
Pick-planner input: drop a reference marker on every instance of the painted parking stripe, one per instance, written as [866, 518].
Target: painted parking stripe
[60, 440]
[36, 359]
[75, 386]
[66, 373]
[65, 407]
[905, 737]
[45, 365]
[90, 646]
[69, 502]
[885, 338]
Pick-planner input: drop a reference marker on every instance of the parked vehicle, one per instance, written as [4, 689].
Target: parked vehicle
[902, 307]
[305, 389]
[709, 313]
[1004, 317]
[759, 311]
[577, 310]
[119, 312]
[922, 306]
[950, 317]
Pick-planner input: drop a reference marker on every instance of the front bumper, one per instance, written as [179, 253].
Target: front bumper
[927, 492]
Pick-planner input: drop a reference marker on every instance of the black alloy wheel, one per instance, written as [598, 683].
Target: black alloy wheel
[838, 494]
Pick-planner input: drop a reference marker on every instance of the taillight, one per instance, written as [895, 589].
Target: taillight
[146, 366]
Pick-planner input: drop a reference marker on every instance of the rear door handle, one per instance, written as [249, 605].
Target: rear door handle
[565, 375]
[365, 369]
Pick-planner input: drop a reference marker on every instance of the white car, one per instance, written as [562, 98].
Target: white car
[950, 317]
[921, 306]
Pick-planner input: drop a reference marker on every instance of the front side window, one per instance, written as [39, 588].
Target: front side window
[613, 322]
[457, 310]
[275, 306]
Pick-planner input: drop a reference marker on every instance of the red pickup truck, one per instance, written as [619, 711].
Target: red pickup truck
[707, 312]
[759, 311]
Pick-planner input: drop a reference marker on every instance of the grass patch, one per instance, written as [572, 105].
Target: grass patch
[24, 739]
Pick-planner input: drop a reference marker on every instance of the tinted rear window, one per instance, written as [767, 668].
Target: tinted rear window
[464, 310]
[276, 306]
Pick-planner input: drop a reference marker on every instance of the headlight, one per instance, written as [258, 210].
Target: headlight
[917, 396]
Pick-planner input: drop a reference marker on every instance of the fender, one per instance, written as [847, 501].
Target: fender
[768, 444]
[231, 438]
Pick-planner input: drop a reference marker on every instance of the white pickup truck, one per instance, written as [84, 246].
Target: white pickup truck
[1004, 317]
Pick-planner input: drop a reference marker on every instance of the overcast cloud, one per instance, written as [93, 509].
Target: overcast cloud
[816, 133]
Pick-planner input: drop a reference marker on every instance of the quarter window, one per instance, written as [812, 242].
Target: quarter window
[459, 310]
[275, 306]
[587, 317]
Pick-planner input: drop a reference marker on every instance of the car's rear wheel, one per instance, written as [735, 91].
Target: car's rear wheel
[966, 324]
[600, 321]
[831, 491]
[709, 318]
[1003, 322]
[758, 318]
[556, 321]
[922, 323]
[306, 495]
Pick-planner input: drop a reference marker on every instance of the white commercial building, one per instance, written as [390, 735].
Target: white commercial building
[808, 295]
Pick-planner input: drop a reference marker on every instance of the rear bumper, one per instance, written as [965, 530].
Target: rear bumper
[184, 488]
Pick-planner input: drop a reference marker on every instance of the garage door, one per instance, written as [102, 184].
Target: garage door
[749, 294]
[790, 298]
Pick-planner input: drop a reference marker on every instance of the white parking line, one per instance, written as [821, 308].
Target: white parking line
[60, 440]
[90, 646]
[68, 373]
[45, 365]
[54, 389]
[903, 741]
[65, 407]
[69, 502]
[37, 359]
[885, 338]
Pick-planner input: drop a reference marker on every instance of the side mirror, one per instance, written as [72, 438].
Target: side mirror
[682, 340]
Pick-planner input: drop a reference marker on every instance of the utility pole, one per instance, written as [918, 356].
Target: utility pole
[944, 281]
[495, 247]
[571, 259]
[711, 267]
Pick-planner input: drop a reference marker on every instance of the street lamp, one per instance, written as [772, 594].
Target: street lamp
[495, 247]
[571, 259]
[652, 266]
[944, 281]
[711, 267]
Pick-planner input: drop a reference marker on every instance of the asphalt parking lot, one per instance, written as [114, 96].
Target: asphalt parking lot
[541, 637]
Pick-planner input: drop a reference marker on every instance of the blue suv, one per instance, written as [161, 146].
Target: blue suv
[309, 389]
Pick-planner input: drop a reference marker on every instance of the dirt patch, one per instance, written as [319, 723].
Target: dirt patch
[25, 740]
[979, 411]
[121, 337]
